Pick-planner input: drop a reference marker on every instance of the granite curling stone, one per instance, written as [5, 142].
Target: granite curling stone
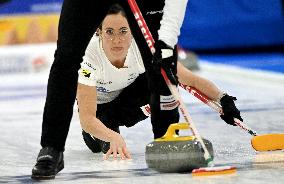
[173, 153]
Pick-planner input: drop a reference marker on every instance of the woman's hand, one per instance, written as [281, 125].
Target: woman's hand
[117, 146]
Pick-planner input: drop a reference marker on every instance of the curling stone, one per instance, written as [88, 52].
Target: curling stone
[173, 153]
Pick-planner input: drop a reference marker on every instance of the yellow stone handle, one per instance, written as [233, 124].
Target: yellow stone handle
[171, 135]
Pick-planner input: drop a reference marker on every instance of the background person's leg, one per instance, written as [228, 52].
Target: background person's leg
[152, 12]
[164, 107]
[78, 22]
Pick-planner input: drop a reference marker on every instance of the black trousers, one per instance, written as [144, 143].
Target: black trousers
[125, 109]
[78, 22]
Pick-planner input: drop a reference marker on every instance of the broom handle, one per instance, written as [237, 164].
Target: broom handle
[150, 41]
[216, 106]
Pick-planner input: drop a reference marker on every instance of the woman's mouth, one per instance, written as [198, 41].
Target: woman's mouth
[117, 49]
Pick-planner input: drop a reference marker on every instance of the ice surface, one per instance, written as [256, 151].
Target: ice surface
[260, 99]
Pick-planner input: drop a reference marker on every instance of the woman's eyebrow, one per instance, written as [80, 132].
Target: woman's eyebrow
[123, 28]
[109, 28]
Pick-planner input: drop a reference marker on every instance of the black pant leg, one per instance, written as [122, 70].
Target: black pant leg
[147, 8]
[152, 11]
[125, 109]
[78, 22]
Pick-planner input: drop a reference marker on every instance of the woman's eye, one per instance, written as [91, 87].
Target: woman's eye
[123, 31]
[109, 32]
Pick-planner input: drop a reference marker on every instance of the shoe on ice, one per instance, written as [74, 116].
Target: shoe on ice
[49, 163]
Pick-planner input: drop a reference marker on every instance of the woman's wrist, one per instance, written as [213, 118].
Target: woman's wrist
[220, 96]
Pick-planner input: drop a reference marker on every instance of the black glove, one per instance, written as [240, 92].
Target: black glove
[167, 61]
[230, 110]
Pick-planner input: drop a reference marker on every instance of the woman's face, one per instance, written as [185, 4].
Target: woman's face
[116, 37]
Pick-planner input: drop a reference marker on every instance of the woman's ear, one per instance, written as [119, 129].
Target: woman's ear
[98, 32]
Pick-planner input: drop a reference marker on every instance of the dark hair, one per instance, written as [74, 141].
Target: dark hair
[113, 10]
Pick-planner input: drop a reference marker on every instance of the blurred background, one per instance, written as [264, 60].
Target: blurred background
[244, 25]
[32, 21]
[28, 33]
[243, 33]
[237, 44]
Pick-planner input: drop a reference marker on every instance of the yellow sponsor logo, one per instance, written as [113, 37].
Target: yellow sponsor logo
[86, 73]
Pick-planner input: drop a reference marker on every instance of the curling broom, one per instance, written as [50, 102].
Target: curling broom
[150, 41]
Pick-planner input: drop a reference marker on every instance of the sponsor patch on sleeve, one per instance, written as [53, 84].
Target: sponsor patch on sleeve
[86, 73]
